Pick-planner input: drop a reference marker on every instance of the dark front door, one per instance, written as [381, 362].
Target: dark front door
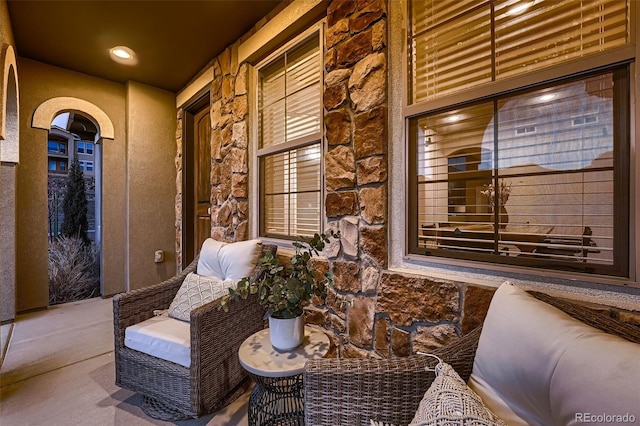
[196, 191]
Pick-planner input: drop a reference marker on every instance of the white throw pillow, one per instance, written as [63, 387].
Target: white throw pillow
[449, 401]
[536, 365]
[196, 291]
[228, 260]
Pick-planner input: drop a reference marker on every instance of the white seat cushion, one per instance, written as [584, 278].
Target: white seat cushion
[536, 365]
[162, 337]
[228, 260]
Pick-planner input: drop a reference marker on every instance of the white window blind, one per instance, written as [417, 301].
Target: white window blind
[290, 112]
[458, 44]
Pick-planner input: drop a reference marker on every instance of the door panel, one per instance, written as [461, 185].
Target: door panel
[202, 183]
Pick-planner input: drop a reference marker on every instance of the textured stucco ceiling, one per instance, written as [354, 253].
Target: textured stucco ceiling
[173, 39]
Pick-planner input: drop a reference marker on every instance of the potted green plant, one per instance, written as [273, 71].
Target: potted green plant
[285, 288]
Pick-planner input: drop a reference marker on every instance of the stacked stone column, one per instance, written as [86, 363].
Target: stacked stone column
[229, 151]
[355, 101]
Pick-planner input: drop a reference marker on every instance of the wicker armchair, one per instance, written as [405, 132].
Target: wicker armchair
[171, 391]
[353, 391]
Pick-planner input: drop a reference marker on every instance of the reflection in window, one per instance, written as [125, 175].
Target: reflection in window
[542, 198]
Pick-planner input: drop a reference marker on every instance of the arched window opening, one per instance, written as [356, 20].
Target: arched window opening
[73, 188]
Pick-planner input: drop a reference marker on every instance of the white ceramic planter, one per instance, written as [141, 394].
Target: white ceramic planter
[286, 334]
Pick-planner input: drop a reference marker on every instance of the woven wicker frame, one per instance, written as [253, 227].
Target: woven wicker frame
[354, 391]
[215, 338]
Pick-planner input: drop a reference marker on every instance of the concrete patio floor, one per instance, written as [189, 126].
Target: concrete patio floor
[58, 369]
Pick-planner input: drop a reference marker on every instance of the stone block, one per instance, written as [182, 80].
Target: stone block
[239, 185]
[228, 89]
[346, 276]
[373, 241]
[332, 248]
[239, 133]
[338, 324]
[216, 143]
[338, 127]
[339, 9]
[241, 80]
[330, 60]
[371, 170]
[369, 277]
[352, 50]
[336, 33]
[238, 160]
[317, 316]
[428, 339]
[216, 89]
[360, 321]
[373, 204]
[379, 35]
[351, 351]
[337, 76]
[242, 231]
[476, 304]
[400, 342]
[381, 343]
[340, 168]
[349, 236]
[335, 96]
[368, 82]
[341, 203]
[363, 18]
[370, 133]
[337, 304]
[408, 298]
[239, 108]
[243, 210]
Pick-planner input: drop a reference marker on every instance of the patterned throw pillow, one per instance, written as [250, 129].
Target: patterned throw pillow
[195, 291]
[450, 401]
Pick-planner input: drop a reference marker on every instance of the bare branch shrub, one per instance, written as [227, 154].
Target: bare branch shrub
[74, 270]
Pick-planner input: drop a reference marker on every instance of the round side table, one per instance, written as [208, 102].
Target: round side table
[276, 398]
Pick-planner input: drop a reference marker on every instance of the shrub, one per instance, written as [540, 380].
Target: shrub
[74, 206]
[74, 270]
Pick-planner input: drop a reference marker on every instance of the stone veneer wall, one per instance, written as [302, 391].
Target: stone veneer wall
[371, 312]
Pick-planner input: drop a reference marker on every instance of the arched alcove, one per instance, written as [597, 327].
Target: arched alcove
[9, 123]
[43, 118]
[49, 109]
[9, 158]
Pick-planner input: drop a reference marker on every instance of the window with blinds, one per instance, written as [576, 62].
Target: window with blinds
[535, 176]
[290, 147]
[459, 44]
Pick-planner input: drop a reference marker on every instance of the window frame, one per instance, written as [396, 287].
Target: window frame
[258, 153]
[559, 72]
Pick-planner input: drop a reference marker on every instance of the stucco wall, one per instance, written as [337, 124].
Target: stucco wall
[151, 123]
[40, 82]
[7, 180]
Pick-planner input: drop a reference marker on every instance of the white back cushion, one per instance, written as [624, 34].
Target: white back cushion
[537, 365]
[228, 260]
[597, 374]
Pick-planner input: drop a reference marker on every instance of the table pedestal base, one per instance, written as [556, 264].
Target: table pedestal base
[276, 401]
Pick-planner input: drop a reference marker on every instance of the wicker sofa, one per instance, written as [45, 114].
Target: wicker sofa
[357, 391]
[171, 391]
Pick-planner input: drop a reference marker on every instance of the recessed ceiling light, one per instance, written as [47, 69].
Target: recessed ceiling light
[123, 55]
[547, 97]
[454, 118]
